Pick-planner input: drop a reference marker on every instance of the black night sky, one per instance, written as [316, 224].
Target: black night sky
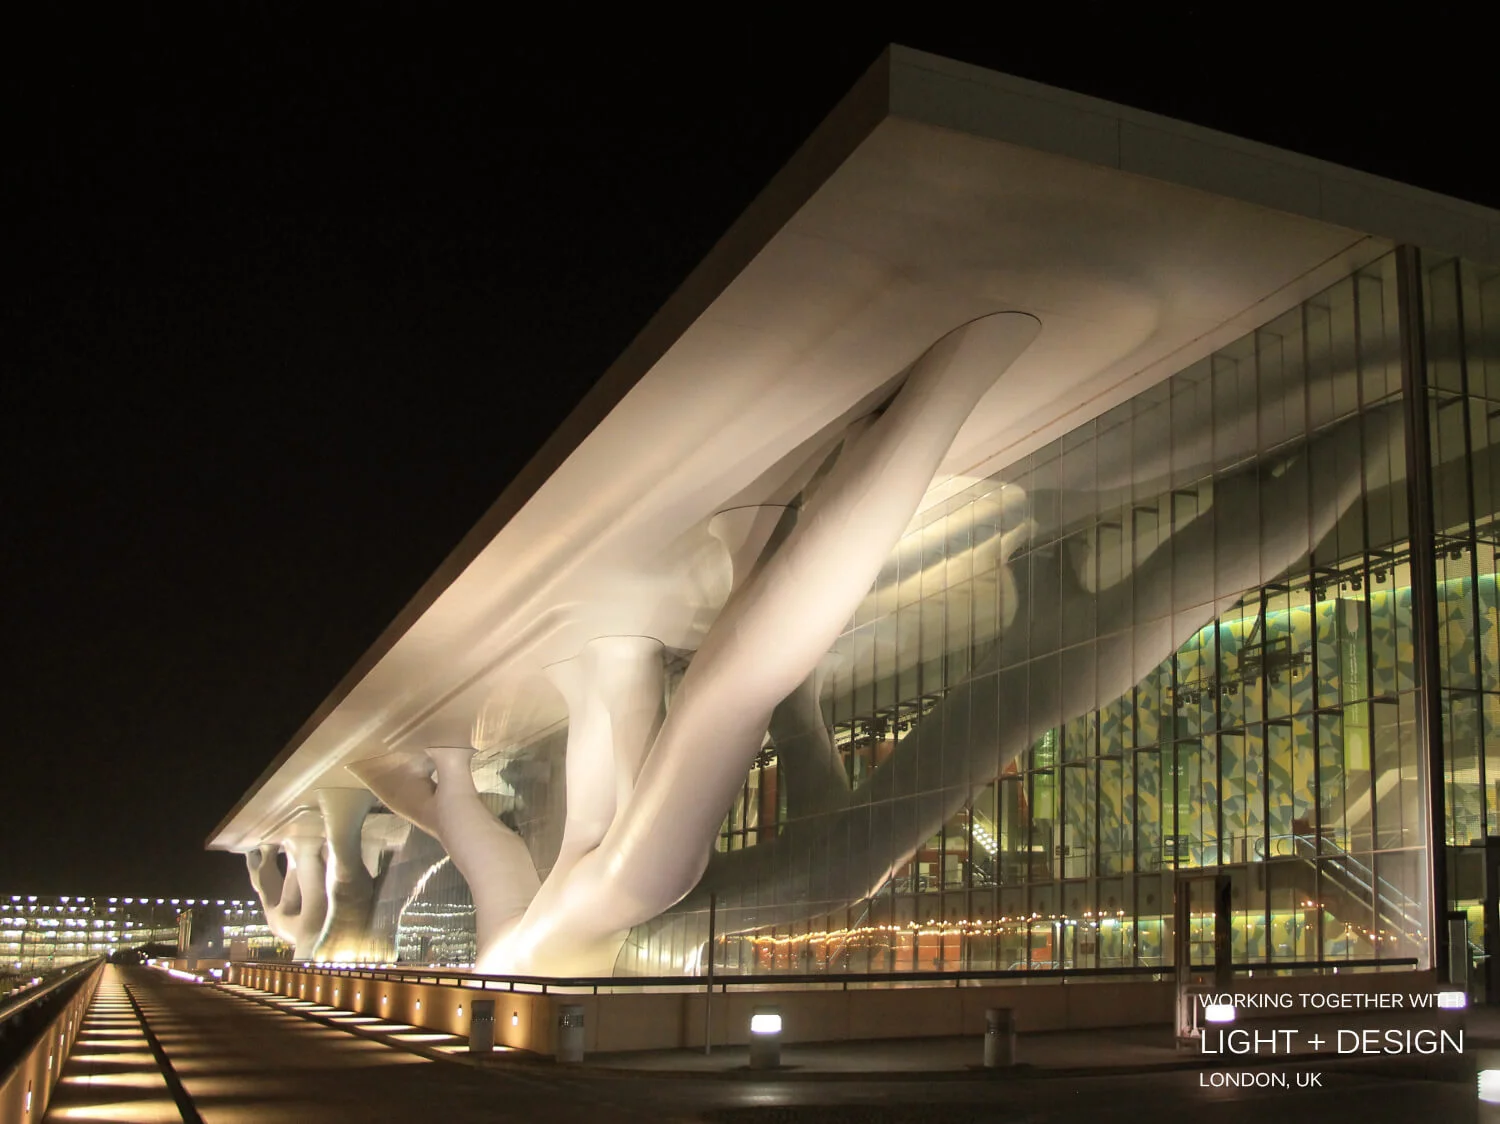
[290, 304]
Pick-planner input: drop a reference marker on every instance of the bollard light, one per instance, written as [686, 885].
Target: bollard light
[481, 1026]
[570, 1033]
[999, 1037]
[765, 1038]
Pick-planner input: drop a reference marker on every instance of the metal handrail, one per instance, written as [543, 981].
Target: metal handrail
[15, 1006]
[541, 984]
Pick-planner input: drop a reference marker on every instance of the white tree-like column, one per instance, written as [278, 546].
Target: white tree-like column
[295, 905]
[774, 629]
[615, 691]
[493, 859]
[351, 886]
[646, 793]
[403, 782]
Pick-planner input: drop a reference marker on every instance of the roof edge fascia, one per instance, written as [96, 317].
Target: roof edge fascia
[937, 91]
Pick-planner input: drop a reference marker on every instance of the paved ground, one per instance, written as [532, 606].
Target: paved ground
[244, 1056]
[112, 1073]
[242, 1061]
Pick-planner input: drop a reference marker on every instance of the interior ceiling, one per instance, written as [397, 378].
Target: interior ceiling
[919, 230]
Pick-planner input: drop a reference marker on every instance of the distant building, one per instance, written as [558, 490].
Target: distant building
[200, 933]
[43, 931]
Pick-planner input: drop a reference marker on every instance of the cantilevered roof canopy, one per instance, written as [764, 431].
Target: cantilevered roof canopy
[936, 192]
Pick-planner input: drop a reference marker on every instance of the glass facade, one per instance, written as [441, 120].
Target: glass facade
[1462, 319]
[1179, 641]
[424, 911]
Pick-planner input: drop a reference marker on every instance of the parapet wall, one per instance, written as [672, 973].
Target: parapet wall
[26, 1084]
[655, 1020]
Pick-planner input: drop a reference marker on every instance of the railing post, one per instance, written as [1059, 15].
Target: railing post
[1423, 537]
[708, 994]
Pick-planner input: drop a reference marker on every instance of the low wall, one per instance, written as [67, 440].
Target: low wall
[205, 965]
[624, 1021]
[27, 1087]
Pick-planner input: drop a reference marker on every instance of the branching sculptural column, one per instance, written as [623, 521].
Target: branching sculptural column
[269, 884]
[492, 858]
[298, 911]
[774, 629]
[614, 689]
[350, 887]
[403, 783]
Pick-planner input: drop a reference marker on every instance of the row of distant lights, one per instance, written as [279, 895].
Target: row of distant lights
[935, 928]
[984, 837]
[101, 932]
[18, 907]
[982, 927]
[143, 901]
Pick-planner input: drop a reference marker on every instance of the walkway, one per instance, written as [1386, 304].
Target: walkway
[238, 1060]
[113, 1073]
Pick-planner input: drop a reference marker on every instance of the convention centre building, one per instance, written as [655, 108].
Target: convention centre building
[1032, 514]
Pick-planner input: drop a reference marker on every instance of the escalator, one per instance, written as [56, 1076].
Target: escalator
[1358, 883]
[1348, 886]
